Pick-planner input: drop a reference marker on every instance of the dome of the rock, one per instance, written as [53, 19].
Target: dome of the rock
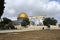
[22, 15]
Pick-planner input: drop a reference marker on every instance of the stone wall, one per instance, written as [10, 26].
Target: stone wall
[19, 27]
[31, 27]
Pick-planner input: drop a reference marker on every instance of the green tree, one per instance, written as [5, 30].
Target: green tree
[1, 7]
[6, 24]
[6, 20]
[53, 21]
[49, 21]
[25, 22]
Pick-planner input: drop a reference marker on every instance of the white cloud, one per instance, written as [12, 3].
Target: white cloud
[32, 7]
[11, 11]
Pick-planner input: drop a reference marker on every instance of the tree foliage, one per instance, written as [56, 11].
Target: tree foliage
[25, 22]
[1, 7]
[6, 24]
[49, 21]
[6, 21]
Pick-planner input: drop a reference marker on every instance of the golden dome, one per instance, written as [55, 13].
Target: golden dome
[22, 15]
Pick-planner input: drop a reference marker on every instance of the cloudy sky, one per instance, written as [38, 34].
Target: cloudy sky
[49, 8]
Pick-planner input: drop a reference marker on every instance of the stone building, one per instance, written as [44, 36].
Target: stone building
[20, 18]
[34, 20]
